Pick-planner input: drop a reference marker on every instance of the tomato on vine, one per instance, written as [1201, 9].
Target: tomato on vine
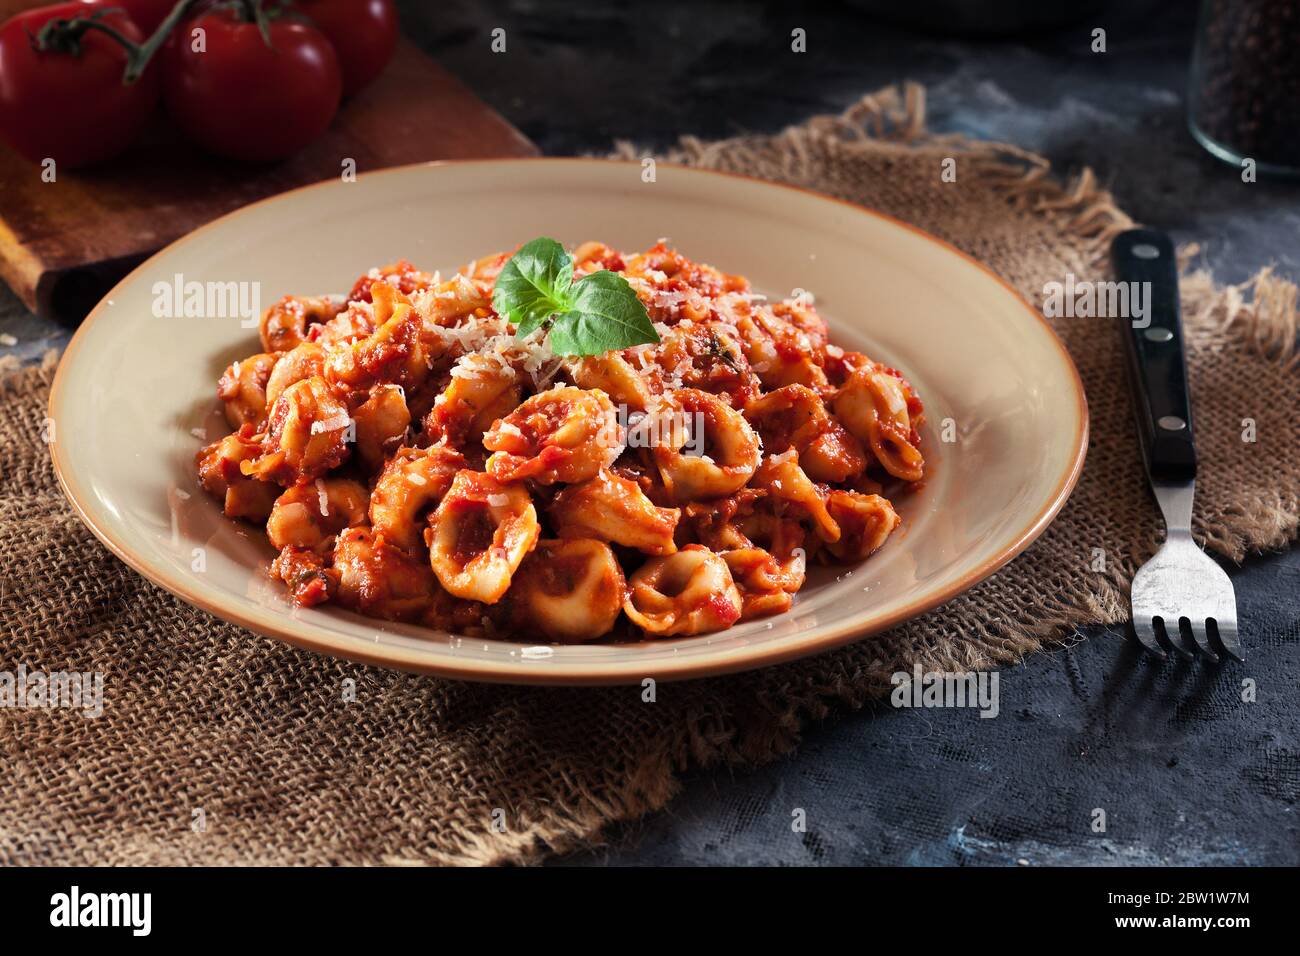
[253, 80]
[363, 32]
[71, 87]
[250, 83]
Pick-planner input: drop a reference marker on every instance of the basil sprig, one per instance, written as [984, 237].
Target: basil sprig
[599, 313]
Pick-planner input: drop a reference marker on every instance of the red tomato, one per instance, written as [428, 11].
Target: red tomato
[241, 98]
[72, 108]
[364, 34]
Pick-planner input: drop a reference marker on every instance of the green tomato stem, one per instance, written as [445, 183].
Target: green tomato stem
[63, 35]
[139, 58]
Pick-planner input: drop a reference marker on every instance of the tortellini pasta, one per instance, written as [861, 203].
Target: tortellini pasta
[875, 405]
[381, 422]
[243, 389]
[221, 477]
[376, 578]
[865, 521]
[305, 435]
[286, 324]
[412, 481]
[307, 515]
[706, 449]
[565, 434]
[690, 592]
[611, 508]
[479, 535]
[302, 361]
[570, 591]
[393, 352]
[411, 458]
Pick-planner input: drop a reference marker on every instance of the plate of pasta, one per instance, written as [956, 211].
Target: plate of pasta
[541, 421]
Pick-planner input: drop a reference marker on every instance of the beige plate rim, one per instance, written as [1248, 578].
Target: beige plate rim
[612, 673]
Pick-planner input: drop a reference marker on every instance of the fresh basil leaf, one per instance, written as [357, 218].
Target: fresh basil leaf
[605, 315]
[597, 314]
[534, 285]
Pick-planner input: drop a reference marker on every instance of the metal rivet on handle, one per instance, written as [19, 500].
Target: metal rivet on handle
[1144, 250]
[1172, 423]
[1158, 335]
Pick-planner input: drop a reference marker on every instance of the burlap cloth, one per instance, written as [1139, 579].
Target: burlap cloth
[200, 715]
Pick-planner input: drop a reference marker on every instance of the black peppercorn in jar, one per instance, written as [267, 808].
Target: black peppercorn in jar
[1244, 101]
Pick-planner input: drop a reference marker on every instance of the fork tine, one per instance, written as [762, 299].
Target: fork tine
[1173, 638]
[1226, 632]
[1146, 636]
[1201, 638]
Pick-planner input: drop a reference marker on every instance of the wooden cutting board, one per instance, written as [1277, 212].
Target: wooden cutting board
[63, 244]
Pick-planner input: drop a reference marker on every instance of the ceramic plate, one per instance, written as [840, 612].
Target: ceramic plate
[134, 391]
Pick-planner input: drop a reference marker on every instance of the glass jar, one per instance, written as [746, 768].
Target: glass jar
[1244, 97]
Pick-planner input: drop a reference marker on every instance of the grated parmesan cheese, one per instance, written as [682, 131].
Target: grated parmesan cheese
[330, 424]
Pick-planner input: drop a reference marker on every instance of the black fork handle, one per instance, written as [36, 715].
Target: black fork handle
[1153, 339]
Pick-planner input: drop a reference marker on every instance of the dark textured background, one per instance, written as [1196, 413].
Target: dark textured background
[1186, 771]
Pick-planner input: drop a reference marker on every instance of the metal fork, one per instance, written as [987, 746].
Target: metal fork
[1181, 598]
